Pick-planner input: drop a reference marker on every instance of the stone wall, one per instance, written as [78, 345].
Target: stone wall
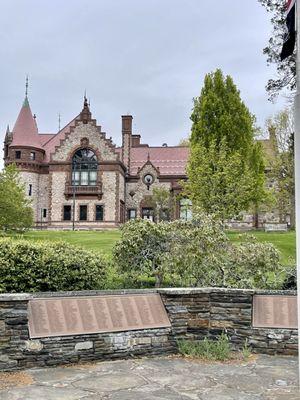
[194, 314]
[199, 313]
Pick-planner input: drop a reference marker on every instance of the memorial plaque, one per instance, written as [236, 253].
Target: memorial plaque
[62, 316]
[274, 312]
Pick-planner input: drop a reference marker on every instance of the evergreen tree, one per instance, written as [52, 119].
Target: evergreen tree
[15, 211]
[225, 169]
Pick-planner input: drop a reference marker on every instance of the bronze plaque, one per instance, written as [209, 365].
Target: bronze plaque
[274, 312]
[61, 316]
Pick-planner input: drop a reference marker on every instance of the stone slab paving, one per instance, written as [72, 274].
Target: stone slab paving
[169, 378]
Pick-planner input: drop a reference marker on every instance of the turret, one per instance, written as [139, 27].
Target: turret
[23, 143]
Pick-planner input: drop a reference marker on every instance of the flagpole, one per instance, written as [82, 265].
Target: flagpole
[297, 168]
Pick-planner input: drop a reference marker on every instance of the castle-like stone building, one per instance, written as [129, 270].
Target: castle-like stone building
[78, 176]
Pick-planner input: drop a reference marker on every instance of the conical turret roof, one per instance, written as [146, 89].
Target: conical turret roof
[25, 131]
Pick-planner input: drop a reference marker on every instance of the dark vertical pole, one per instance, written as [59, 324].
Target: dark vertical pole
[73, 187]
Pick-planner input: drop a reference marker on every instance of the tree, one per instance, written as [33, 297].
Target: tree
[143, 249]
[184, 142]
[15, 211]
[281, 162]
[286, 70]
[225, 168]
[163, 204]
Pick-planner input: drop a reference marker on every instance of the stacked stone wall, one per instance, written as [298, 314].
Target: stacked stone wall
[193, 313]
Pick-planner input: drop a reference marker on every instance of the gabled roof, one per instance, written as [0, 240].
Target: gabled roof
[25, 131]
[54, 141]
[169, 160]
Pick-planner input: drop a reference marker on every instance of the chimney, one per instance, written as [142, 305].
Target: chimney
[135, 140]
[126, 139]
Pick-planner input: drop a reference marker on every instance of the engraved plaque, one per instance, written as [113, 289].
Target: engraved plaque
[62, 316]
[274, 312]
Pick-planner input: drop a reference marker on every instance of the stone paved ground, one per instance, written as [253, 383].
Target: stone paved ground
[263, 378]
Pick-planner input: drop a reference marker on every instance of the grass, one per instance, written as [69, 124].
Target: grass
[103, 241]
[213, 350]
[207, 349]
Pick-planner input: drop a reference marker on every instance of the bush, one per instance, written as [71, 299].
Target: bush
[143, 249]
[196, 253]
[214, 350]
[48, 266]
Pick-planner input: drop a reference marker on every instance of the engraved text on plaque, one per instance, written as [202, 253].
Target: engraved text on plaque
[61, 316]
[274, 312]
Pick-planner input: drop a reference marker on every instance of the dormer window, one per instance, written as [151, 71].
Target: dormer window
[84, 168]
[32, 155]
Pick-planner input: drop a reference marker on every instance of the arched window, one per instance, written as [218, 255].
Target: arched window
[84, 168]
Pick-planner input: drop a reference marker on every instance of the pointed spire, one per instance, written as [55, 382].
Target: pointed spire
[7, 129]
[25, 131]
[26, 86]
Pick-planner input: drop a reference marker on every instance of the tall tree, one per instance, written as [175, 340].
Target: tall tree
[286, 70]
[15, 211]
[281, 162]
[225, 169]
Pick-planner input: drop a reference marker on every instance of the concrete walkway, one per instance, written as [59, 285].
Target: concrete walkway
[174, 378]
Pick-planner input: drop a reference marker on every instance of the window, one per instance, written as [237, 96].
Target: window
[44, 212]
[148, 213]
[30, 190]
[84, 168]
[185, 209]
[18, 154]
[67, 213]
[99, 212]
[32, 155]
[82, 213]
[131, 214]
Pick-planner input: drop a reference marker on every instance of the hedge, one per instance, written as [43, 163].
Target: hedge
[48, 266]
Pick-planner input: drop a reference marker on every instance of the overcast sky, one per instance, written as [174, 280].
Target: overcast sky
[143, 57]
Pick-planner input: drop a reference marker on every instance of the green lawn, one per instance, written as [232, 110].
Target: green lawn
[103, 241]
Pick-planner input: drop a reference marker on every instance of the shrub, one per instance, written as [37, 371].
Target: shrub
[252, 264]
[48, 266]
[196, 253]
[143, 249]
[207, 349]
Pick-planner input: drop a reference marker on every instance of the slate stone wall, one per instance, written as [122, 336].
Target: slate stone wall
[194, 314]
[199, 313]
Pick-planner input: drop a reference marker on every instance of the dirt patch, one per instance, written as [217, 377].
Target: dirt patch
[14, 379]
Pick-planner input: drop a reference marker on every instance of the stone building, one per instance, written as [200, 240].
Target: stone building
[79, 176]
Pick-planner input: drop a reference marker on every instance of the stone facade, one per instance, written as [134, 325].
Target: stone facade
[47, 171]
[119, 191]
[193, 313]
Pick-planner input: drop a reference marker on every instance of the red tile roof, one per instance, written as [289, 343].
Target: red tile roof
[54, 141]
[45, 137]
[25, 131]
[169, 160]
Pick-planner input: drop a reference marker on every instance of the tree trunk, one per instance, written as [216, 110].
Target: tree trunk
[158, 280]
[292, 215]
